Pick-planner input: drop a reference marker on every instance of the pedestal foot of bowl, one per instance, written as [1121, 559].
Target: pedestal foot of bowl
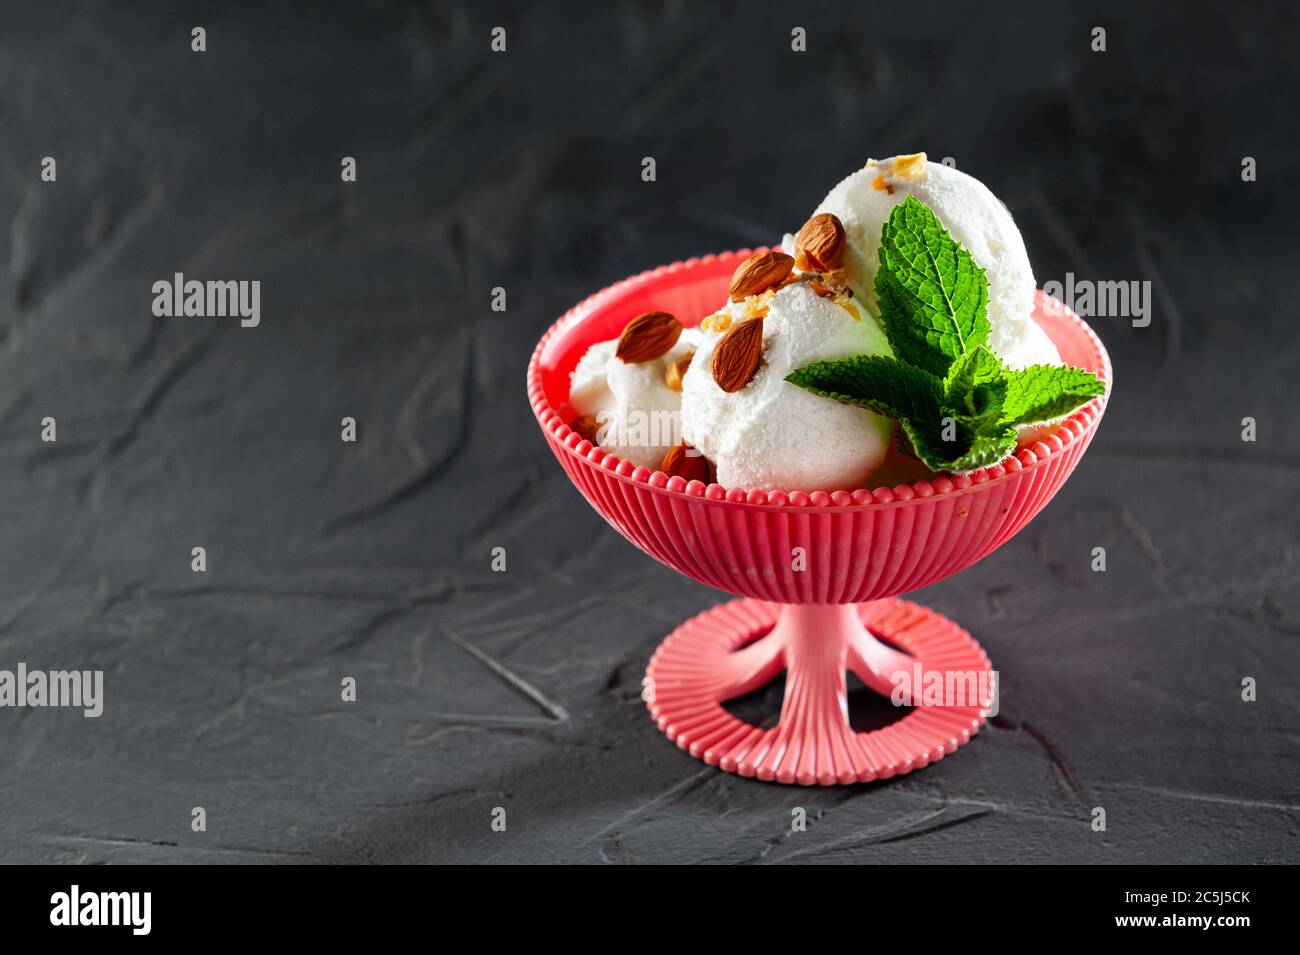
[740, 646]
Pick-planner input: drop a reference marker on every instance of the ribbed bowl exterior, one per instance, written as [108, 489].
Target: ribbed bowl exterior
[856, 545]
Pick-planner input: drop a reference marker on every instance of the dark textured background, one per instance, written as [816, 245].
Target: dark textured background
[522, 170]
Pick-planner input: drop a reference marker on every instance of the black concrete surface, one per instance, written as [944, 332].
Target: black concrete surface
[1121, 690]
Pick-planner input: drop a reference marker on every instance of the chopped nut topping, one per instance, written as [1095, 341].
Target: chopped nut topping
[756, 306]
[843, 302]
[910, 168]
[675, 370]
[838, 277]
[718, 322]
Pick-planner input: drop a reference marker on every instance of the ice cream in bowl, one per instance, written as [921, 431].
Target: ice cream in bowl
[820, 428]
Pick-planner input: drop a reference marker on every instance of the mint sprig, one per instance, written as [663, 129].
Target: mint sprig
[956, 403]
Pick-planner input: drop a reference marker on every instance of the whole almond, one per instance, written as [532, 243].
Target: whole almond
[738, 355]
[760, 272]
[674, 372]
[685, 462]
[647, 337]
[819, 246]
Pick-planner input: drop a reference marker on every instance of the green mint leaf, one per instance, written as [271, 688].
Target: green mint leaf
[975, 388]
[884, 385]
[1041, 392]
[978, 366]
[933, 297]
[969, 453]
[909, 343]
[986, 415]
[986, 450]
[926, 437]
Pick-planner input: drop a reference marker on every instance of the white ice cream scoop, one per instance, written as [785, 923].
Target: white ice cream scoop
[637, 413]
[771, 434]
[974, 217]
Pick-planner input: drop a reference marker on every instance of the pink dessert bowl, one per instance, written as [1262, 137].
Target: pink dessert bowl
[819, 574]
